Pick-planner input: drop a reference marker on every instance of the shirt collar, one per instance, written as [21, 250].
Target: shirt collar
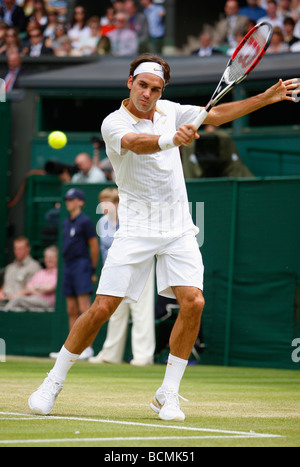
[137, 119]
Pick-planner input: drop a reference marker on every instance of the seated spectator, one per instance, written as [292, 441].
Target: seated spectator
[95, 44]
[15, 70]
[206, 47]
[37, 45]
[277, 43]
[288, 31]
[138, 22]
[272, 15]
[12, 42]
[52, 16]
[53, 41]
[123, 41]
[39, 14]
[79, 28]
[226, 29]
[65, 48]
[88, 172]
[39, 294]
[13, 15]
[285, 9]
[107, 22]
[18, 274]
[253, 10]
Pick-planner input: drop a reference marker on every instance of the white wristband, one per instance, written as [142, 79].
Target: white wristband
[166, 142]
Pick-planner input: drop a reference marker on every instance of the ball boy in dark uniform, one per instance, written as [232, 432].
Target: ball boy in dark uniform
[81, 255]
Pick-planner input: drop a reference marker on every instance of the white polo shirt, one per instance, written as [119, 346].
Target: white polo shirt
[152, 191]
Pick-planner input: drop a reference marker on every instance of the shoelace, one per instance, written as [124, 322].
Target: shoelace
[172, 398]
[49, 386]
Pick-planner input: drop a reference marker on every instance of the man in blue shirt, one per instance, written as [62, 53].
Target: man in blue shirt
[156, 20]
[253, 11]
[81, 254]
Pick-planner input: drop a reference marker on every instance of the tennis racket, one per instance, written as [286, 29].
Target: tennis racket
[244, 59]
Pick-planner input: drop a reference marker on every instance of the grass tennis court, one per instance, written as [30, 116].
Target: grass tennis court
[108, 406]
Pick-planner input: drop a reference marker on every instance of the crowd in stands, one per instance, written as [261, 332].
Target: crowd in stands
[128, 27]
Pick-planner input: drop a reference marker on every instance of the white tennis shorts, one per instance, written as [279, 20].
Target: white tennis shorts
[130, 259]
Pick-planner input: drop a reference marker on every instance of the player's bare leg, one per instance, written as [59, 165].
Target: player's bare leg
[182, 340]
[81, 336]
[89, 323]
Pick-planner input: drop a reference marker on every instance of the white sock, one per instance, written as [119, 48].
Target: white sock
[64, 362]
[174, 372]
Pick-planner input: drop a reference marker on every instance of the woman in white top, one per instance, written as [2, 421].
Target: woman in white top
[79, 29]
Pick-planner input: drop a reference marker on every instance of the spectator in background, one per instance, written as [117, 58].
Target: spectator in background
[52, 22]
[79, 27]
[39, 294]
[277, 43]
[20, 272]
[138, 23]
[142, 312]
[54, 42]
[206, 47]
[272, 15]
[11, 77]
[123, 41]
[65, 48]
[288, 31]
[12, 42]
[13, 15]
[89, 173]
[81, 254]
[156, 20]
[285, 9]
[39, 14]
[37, 45]
[95, 44]
[253, 10]
[107, 22]
[226, 29]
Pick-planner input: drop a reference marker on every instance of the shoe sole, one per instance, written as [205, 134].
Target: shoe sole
[155, 405]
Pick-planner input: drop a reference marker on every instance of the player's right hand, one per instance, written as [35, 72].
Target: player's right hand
[186, 135]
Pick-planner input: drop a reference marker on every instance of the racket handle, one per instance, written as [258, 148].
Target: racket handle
[201, 117]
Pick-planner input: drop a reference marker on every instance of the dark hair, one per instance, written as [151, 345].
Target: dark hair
[147, 57]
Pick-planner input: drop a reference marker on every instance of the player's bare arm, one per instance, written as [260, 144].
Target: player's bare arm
[283, 90]
[149, 144]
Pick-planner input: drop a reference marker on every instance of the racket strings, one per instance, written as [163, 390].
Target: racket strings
[247, 54]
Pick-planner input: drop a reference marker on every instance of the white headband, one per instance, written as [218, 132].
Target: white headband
[150, 67]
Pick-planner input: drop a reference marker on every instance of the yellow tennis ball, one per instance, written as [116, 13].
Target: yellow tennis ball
[57, 139]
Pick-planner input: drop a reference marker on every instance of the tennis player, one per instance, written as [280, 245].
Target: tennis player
[142, 142]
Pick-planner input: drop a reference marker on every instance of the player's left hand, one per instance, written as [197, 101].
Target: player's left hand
[284, 91]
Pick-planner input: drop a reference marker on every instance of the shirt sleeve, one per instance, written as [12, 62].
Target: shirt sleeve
[89, 229]
[186, 114]
[113, 130]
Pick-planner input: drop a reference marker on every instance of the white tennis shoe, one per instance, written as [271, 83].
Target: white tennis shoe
[166, 404]
[41, 402]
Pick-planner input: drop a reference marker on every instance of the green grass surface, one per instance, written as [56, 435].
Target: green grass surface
[108, 406]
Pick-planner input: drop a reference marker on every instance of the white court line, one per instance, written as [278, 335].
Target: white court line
[135, 438]
[250, 434]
